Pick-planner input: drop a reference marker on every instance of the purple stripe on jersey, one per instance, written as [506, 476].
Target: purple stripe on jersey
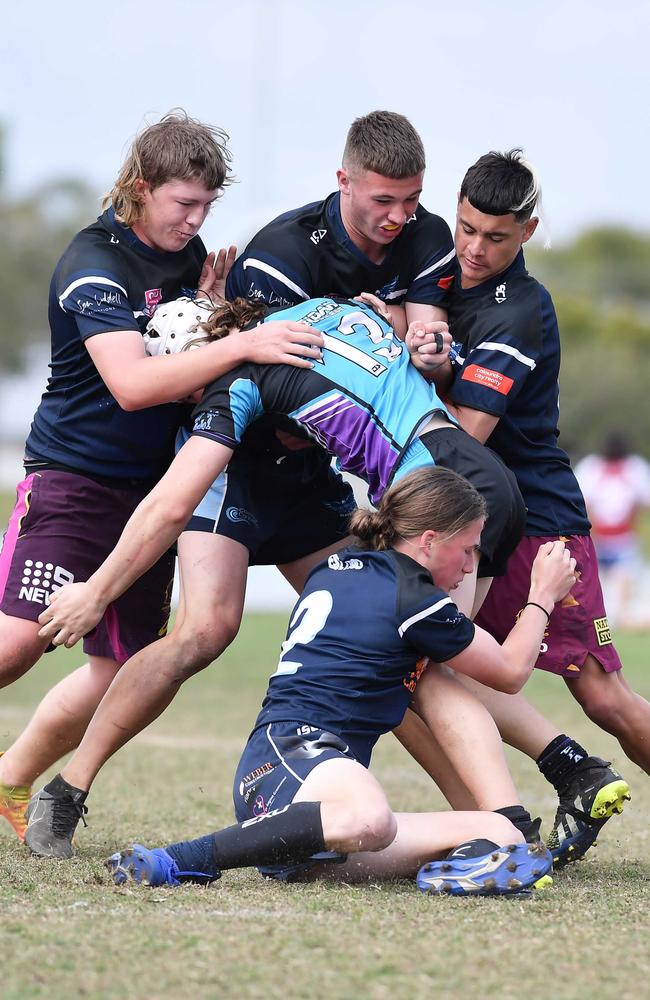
[23, 491]
[346, 430]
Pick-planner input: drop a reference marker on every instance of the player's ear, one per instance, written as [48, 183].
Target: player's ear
[427, 539]
[529, 229]
[343, 179]
[141, 187]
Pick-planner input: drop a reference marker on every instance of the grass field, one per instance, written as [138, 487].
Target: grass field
[65, 931]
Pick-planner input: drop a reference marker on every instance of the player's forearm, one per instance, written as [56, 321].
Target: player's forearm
[521, 648]
[150, 531]
[151, 381]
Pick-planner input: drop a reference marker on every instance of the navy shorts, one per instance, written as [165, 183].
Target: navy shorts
[275, 762]
[274, 510]
[454, 449]
[62, 528]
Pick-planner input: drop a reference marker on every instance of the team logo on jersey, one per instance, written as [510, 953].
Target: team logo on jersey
[603, 631]
[387, 290]
[500, 293]
[41, 579]
[317, 235]
[335, 563]
[152, 298]
[204, 421]
[488, 378]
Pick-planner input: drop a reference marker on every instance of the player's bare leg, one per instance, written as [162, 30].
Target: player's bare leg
[20, 647]
[471, 771]
[213, 573]
[58, 723]
[608, 700]
[520, 724]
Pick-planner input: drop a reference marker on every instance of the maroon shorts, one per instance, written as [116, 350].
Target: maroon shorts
[62, 528]
[578, 624]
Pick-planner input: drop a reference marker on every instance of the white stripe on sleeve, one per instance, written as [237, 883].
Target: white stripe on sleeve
[96, 279]
[273, 272]
[423, 614]
[488, 345]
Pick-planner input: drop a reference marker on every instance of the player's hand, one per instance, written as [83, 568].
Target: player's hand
[376, 304]
[279, 342]
[552, 574]
[428, 344]
[216, 268]
[73, 611]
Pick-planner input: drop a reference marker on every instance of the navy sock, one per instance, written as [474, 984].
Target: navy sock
[195, 855]
[559, 759]
[521, 818]
[289, 835]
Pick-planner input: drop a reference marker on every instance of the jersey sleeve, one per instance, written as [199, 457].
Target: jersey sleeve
[428, 620]
[500, 360]
[433, 261]
[437, 629]
[262, 273]
[228, 406]
[96, 294]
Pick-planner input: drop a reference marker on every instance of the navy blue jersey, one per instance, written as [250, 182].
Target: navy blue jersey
[506, 334]
[107, 280]
[307, 252]
[349, 664]
[364, 402]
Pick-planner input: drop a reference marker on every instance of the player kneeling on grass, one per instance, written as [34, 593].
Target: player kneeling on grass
[357, 654]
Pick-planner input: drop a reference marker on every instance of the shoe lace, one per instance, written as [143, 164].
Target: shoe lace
[66, 814]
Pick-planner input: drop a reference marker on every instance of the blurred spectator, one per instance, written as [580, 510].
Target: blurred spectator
[616, 487]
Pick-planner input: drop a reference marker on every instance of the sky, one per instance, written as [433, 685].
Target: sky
[568, 81]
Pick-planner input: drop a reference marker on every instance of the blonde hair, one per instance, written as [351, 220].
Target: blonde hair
[175, 148]
[431, 498]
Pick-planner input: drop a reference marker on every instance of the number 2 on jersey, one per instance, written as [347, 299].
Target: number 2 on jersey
[309, 618]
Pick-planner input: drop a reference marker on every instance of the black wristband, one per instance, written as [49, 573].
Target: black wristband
[533, 604]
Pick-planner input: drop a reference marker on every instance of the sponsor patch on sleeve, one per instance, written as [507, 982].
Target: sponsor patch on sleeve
[488, 378]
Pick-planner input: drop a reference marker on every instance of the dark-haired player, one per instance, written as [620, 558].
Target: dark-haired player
[505, 393]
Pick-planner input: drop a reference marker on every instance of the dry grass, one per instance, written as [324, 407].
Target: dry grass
[65, 931]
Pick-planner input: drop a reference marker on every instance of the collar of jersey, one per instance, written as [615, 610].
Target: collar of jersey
[333, 214]
[128, 237]
[518, 266]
